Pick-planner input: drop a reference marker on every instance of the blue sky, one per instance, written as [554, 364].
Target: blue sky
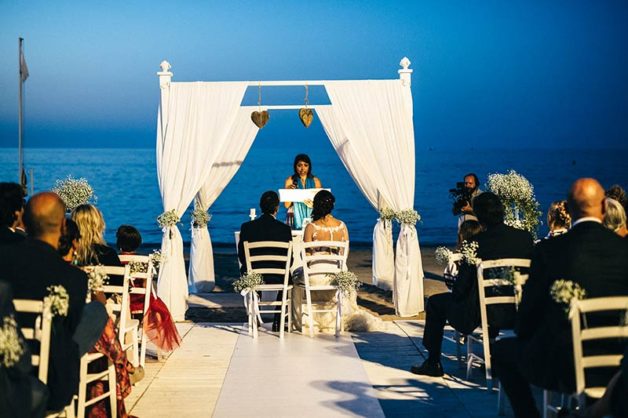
[486, 74]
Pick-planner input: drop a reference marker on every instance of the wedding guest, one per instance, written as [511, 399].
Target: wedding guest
[615, 217]
[31, 267]
[157, 323]
[461, 307]
[468, 230]
[301, 179]
[619, 194]
[558, 219]
[463, 203]
[93, 249]
[11, 210]
[265, 228]
[589, 255]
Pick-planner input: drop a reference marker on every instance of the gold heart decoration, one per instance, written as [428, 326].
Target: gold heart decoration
[260, 118]
[306, 115]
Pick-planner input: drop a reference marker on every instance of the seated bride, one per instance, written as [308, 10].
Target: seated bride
[324, 227]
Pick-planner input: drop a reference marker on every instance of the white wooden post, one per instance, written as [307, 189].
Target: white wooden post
[165, 77]
[405, 74]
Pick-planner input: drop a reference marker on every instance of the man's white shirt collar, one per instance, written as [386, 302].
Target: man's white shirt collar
[586, 219]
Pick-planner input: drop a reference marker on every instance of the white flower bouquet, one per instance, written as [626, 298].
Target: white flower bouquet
[564, 291]
[168, 219]
[97, 279]
[74, 192]
[387, 214]
[11, 346]
[58, 300]
[249, 281]
[346, 281]
[443, 255]
[469, 251]
[158, 259]
[408, 217]
[200, 218]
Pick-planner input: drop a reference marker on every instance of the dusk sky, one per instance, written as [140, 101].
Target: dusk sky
[486, 74]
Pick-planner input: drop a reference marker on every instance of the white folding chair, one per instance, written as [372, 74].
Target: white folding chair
[40, 332]
[108, 375]
[488, 296]
[118, 305]
[321, 258]
[142, 285]
[272, 248]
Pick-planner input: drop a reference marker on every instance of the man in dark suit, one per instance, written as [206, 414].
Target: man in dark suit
[11, 210]
[589, 255]
[265, 228]
[33, 265]
[461, 307]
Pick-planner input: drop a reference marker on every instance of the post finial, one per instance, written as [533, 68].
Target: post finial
[405, 63]
[165, 76]
[405, 74]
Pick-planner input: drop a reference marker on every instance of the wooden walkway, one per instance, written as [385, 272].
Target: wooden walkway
[219, 371]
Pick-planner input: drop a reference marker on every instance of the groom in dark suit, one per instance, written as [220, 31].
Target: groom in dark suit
[265, 228]
[590, 255]
[461, 307]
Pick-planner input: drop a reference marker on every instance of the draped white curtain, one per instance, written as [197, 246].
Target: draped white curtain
[193, 125]
[228, 160]
[369, 123]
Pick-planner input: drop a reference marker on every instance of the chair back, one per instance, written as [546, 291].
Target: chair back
[585, 334]
[142, 281]
[267, 253]
[324, 257]
[40, 332]
[500, 270]
[118, 302]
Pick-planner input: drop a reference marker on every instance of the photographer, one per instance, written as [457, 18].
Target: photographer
[463, 196]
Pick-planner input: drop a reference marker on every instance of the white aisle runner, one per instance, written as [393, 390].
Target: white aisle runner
[297, 377]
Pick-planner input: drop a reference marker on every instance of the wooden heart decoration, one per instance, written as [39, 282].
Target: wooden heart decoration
[306, 115]
[260, 118]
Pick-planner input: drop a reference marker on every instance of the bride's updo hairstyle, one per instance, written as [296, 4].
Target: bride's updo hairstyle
[323, 204]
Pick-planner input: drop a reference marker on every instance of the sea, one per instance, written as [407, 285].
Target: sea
[127, 192]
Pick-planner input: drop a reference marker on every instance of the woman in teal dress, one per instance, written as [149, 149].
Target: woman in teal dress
[301, 179]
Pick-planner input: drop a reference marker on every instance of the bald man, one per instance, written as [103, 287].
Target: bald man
[33, 265]
[589, 255]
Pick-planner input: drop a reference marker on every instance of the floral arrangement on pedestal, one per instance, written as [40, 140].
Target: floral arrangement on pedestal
[11, 346]
[517, 195]
[74, 192]
[249, 281]
[564, 291]
[200, 218]
[58, 300]
[346, 281]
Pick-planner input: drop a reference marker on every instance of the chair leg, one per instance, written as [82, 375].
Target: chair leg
[310, 316]
[82, 395]
[289, 314]
[487, 362]
[136, 348]
[501, 407]
[469, 356]
[547, 400]
[458, 349]
[143, 348]
[113, 390]
[282, 321]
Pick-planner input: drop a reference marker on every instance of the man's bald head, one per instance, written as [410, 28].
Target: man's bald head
[44, 215]
[586, 198]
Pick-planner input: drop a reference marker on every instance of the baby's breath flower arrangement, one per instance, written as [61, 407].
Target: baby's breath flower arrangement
[158, 259]
[168, 219]
[58, 300]
[517, 194]
[346, 281]
[249, 281]
[97, 279]
[442, 255]
[138, 267]
[200, 218]
[469, 251]
[74, 192]
[387, 214]
[408, 217]
[564, 291]
[11, 347]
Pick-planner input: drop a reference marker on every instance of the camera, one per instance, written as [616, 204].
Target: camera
[461, 197]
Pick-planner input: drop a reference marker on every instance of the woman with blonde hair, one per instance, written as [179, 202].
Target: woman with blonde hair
[92, 248]
[615, 217]
[558, 218]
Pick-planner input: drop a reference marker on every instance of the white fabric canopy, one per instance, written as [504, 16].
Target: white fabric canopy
[369, 123]
[228, 160]
[193, 125]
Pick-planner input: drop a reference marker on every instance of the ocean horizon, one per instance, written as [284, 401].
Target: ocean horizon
[125, 183]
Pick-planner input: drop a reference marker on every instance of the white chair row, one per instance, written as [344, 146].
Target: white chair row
[318, 258]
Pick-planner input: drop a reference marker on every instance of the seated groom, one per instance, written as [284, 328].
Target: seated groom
[33, 265]
[265, 228]
[590, 255]
[461, 307]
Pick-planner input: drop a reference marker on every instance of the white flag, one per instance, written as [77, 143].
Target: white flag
[23, 66]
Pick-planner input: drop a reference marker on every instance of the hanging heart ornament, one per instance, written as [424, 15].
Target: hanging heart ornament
[260, 118]
[306, 115]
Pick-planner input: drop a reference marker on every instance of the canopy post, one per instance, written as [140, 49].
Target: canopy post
[405, 74]
[165, 77]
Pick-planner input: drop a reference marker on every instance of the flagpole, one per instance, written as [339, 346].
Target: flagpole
[20, 156]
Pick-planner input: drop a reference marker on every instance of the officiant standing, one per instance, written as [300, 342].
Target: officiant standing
[301, 179]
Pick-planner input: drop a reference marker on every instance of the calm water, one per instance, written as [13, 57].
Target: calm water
[126, 184]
